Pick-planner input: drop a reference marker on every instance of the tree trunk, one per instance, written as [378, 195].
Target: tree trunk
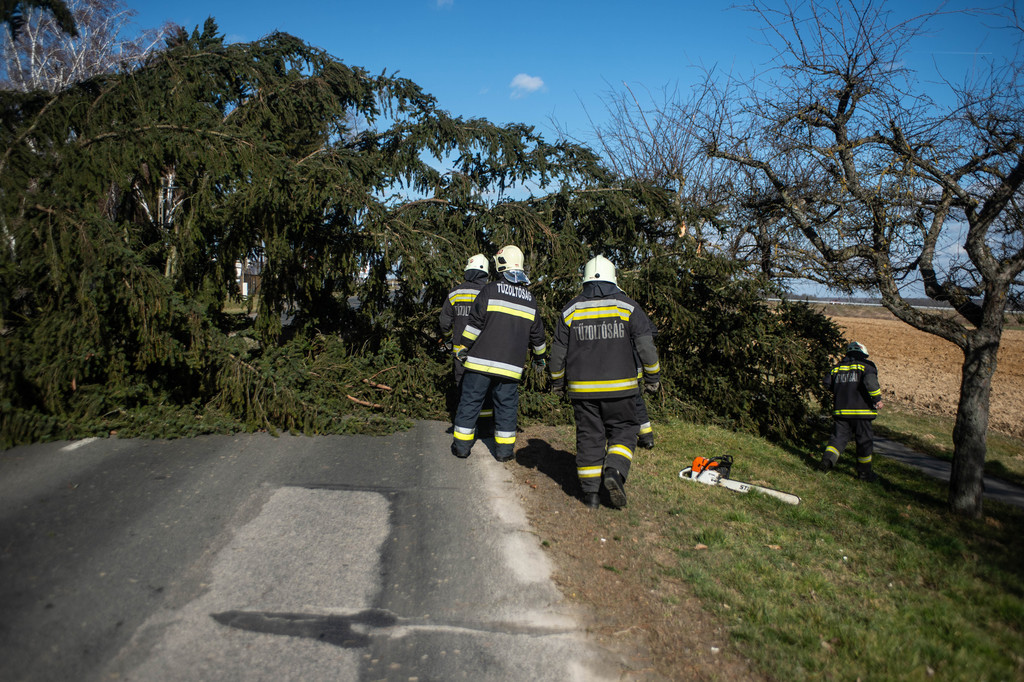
[969, 434]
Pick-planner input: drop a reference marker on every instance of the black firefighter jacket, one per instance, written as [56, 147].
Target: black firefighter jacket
[456, 308]
[855, 389]
[594, 341]
[503, 326]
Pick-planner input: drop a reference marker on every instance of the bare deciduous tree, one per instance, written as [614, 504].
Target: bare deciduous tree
[646, 136]
[883, 187]
[835, 166]
[12, 13]
[41, 56]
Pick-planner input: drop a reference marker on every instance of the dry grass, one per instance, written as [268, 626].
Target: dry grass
[605, 560]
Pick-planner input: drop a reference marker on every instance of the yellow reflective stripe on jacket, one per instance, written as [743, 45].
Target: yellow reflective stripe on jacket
[463, 296]
[560, 374]
[470, 332]
[493, 367]
[652, 369]
[595, 314]
[514, 309]
[859, 367]
[599, 386]
[596, 309]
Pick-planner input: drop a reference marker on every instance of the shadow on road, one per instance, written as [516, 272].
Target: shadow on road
[558, 465]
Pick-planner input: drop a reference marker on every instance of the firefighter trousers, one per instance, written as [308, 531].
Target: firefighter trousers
[606, 432]
[861, 432]
[641, 414]
[454, 394]
[476, 390]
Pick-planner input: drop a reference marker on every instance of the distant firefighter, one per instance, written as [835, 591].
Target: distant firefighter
[856, 399]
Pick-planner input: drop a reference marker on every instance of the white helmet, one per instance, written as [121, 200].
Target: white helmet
[478, 262]
[508, 258]
[855, 347]
[599, 269]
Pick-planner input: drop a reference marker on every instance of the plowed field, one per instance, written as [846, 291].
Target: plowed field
[922, 371]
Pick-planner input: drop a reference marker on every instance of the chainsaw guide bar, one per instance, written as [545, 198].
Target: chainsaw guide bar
[712, 477]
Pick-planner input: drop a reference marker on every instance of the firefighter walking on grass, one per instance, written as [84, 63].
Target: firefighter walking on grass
[503, 327]
[856, 399]
[453, 320]
[592, 357]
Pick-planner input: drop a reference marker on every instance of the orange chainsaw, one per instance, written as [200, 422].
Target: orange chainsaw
[715, 471]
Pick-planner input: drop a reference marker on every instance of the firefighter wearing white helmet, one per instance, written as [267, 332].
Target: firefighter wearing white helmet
[504, 327]
[509, 263]
[593, 357]
[453, 319]
[599, 269]
[856, 398]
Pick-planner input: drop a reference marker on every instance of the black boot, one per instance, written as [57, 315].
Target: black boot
[645, 440]
[828, 460]
[592, 500]
[459, 453]
[614, 484]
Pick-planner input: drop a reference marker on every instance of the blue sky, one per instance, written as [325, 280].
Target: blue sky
[534, 61]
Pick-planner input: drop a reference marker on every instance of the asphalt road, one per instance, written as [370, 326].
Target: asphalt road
[994, 488]
[251, 557]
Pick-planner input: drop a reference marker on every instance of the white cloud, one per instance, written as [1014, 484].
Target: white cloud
[445, 3]
[523, 84]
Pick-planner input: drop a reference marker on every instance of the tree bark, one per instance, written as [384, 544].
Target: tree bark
[966, 483]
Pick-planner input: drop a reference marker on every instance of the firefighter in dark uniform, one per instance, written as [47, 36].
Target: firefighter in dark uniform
[592, 356]
[857, 397]
[504, 325]
[454, 316]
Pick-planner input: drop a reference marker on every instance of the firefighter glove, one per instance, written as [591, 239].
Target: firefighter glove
[461, 353]
[652, 386]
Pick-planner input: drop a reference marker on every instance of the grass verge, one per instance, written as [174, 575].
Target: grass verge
[858, 581]
[933, 435]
